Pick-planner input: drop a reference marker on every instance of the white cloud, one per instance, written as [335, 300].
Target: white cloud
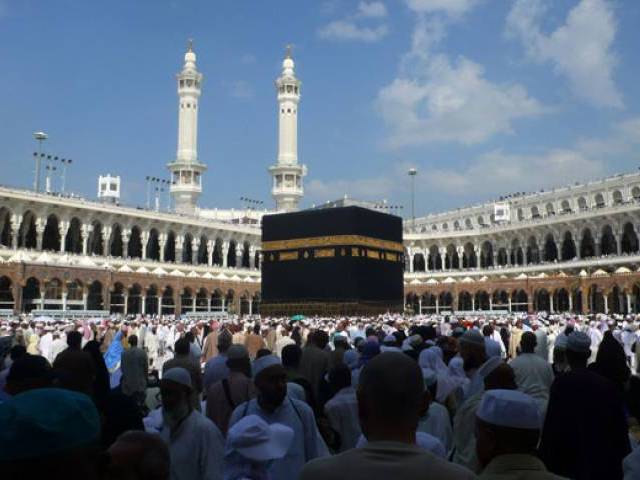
[435, 98]
[374, 189]
[348, 30]
[452, 8]
[248, 58]
[372, 10]
[580, 49]
[451, 102]
[358, 27]
[500, 172]
[242, 90]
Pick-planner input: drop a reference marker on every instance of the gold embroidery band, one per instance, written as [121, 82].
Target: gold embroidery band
[332, 241]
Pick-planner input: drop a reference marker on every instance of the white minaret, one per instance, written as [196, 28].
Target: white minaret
[287, 173]
[186, 169]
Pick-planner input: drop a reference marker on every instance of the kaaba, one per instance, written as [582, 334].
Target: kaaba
[332, 261]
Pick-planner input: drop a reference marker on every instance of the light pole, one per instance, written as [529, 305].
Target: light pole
[65, 162]
[40, 137]
[412, 173]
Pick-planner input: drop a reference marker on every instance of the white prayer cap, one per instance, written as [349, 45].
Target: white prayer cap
[579, 342]
[255, 439]
[178, 375]
[430, 376]
[472, 337]
[509, 408]
[489, 366]
[261, 363]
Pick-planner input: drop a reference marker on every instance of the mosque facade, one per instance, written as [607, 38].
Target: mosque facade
[574, 248]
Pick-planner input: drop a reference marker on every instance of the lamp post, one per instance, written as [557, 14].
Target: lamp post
[40, 137]
[412, 173]
[65, 162]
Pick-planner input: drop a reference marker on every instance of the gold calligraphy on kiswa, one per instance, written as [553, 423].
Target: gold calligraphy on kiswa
[332, 241]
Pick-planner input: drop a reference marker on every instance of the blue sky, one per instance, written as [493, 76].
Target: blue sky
[483, 97]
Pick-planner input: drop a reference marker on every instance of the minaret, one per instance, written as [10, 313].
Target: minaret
[287, 173]
[186, 169]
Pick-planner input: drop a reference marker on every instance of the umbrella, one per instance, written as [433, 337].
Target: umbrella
[43, 319]
[297, 318]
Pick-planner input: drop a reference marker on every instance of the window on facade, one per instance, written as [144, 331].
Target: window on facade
[103, 187]
[113, 187]
[289, 88]
[189, 83]
[599, 200]
[181, 83]
[617, 197]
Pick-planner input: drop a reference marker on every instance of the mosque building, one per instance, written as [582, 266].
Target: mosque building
[573, 248]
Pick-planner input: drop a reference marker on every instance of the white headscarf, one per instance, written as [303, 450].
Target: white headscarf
[430, 360]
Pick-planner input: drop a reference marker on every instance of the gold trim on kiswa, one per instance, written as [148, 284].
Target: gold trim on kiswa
[288, 256]
[332, 241]
[324, 253]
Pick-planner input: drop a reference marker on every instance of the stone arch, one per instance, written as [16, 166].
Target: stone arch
[75, 294]
[608, 244]
[6, 294]
[465, 301]
[541, 300]
[411, 302]
[561, 300]
[550, 209]
[617, 197]
[5, 227]
[535, 212]
[469, 259]
[117, 298]
[186, 300]
[153, 245]
[486, 254]
[232, 254]
[27, 233]
[73, 239]
[116, 245]
[94, 296]
[229, 298]
[500, 300]
[151, 300]
[170, 248]
[635, 193]
[187, 249]
[519, 301]
[134, 249]
[452, 261]
[629, 243]
[246, 255]
[203, 251]
[468, 223]
[428, 302]
[596, 299]
[217, 252]
[533, 251]
[587, 245]
[435, 261]
[599, 201]
[53, 294]
[51, 235]
[550, 248]
[482, 300]
[217, 300]
[568, 250]
[418, 263]
[134, 299]
[95, 243]
[445, 302]
[565, 206]
[517, 255]
[202, 300]
[616, 302]
[31, 295]
[255, 303]
[168, 305]
[503, 257]
[582, 203]
[480, 220]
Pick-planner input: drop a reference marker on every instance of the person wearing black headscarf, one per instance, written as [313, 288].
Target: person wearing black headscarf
[611, 362]
[101, 386]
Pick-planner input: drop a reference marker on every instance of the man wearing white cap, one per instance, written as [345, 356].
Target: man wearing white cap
[251, 445]
[507, 431]
[195, 443]
[274, 406]
[585, 434]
